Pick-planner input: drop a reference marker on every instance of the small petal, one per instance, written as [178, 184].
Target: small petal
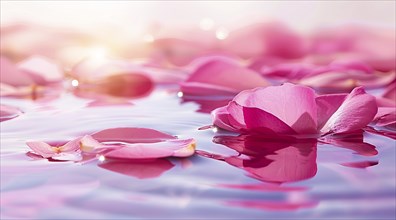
[221, 118]
[41, 148]
[358, 109]
[221, 77]
[176, 148]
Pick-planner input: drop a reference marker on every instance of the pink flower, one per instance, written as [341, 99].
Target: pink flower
[295, 110]
[221, 77]
[118, 143]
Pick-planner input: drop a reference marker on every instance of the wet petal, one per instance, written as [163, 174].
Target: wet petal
[358, 109]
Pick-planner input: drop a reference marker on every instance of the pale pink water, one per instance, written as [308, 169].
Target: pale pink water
[326, 181]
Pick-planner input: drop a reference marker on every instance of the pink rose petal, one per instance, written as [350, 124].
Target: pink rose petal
[273, 38]
[131, 135]
[168, 148]
[327, 105]
[277, 100]
[41, 148]
[221, 77]
[221, 118]
[358, 109]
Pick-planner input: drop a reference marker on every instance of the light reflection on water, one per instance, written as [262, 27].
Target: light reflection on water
[323, 182]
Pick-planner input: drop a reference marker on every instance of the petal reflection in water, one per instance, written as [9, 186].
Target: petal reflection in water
[360, 164]
[353, 141]
[271, 160]
[141, 169]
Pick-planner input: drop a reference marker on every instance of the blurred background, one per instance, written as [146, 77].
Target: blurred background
[136, 15]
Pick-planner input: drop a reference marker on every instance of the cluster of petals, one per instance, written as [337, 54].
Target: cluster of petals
[117, 143]
[296, 110]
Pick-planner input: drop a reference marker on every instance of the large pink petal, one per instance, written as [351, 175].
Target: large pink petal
[131, 135]
[358, 109]
[293, 104]
[41, 148]
[222, 74]
[327, 105]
